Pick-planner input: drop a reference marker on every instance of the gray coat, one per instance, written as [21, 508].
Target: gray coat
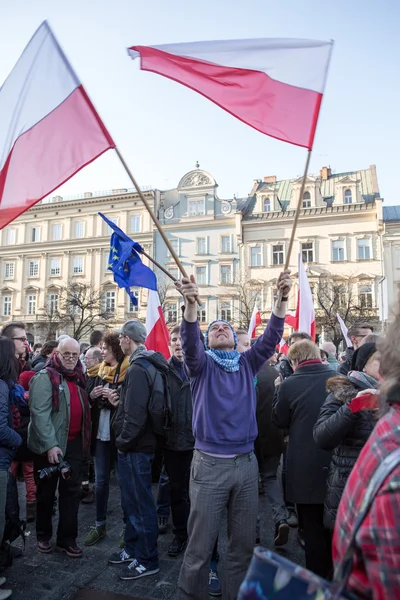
[296, 407]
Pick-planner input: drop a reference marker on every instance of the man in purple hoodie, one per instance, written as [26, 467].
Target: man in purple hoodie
[224, 473]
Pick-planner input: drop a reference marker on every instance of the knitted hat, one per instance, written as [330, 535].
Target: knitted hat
[235, 339]
[362, 355]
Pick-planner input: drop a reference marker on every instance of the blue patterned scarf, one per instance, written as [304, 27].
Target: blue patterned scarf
[226, 359]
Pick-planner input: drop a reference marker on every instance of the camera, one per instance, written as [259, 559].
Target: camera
[62, 467]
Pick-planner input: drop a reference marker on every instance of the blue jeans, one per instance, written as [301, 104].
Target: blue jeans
[164, 494]
[102, 485]
[141, 532]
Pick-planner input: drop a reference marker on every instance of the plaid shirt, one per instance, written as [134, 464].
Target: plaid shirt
[376, 559]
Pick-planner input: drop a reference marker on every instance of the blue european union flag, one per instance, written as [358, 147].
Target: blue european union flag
[124, 261]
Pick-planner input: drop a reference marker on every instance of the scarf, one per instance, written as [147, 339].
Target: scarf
[109, 373]
[93, 371]
[56, 370]
[310, 361]
[361, 379]
[228, 360]
[17, 399]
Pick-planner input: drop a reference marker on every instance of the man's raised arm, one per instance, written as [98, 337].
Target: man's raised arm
[192, 346]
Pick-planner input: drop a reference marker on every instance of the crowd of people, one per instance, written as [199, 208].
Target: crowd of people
[233, 420]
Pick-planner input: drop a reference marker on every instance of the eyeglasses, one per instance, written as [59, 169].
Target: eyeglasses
[21, 339]
[70, 356]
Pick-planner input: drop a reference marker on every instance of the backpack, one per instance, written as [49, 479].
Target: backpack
[160, 400]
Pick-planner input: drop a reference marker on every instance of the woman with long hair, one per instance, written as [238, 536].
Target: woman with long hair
[105, 399]
[9, 439]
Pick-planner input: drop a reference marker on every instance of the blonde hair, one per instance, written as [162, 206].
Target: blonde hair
[303, 350]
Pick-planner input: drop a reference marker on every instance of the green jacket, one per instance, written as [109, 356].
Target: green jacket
[48, 428]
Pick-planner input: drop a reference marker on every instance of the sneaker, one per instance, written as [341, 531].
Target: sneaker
[292, 519]
[4, 594]
[281, 533]
[117, 558]
[177, 546]
[2, 581]
[135, 571]
[122, 539]
[214, 586]
[162, 524]
[96, 534]
[73, 551]
[44, 546]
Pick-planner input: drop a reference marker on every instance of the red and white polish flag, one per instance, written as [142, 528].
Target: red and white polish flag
[157, 332]
[305, 312]
[274, 85]
[255, 321]
[283, 347]
[49, 129]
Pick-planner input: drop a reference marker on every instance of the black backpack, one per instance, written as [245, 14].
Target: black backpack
[160, 400]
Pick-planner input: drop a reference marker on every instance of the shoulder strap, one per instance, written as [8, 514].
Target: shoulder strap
[343, 570]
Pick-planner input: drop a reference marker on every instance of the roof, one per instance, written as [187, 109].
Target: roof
[391, 213]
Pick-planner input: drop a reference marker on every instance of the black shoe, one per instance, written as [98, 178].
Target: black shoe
[162, 524]
[177, 546]
[281, 536]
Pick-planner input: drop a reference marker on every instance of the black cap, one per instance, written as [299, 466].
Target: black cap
[362, 355]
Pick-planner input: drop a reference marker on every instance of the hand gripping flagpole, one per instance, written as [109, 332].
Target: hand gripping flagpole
[156, 223]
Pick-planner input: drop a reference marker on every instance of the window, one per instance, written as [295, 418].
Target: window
[57, 233]
[277, 254]
[174, 272]
[338, 250]
[306, 200]
[77, 265]
[11, 236]
[55, 266]
[175, 246]
[9, 270]
[134, 307]
[266, 205]
[35, 234]
[202, 315]
[196, 207]
[365, 296]
[136, 224]
[364, 249]
[226, 311]
[307, 252]
[7, 300]
[226, 244]
[33, 268]
[226, 274]
[201, 275]
[201, 247]
[172, 313]
[348, 197]
[32, 304]
[113, 220]
[79, 229]
[255, 256]
[109, 301]
[53, 303]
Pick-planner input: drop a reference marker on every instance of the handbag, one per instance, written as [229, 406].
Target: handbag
[272, 577]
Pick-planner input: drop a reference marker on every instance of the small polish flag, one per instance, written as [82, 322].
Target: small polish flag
[157, 332]
[255, 321]
[49, 129]
[272, 84]
[283, 347]
[305, 313]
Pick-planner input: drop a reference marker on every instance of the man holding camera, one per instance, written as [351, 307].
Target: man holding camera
[59, 435]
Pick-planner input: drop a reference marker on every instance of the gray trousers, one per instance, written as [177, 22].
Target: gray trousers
[217, 484]
[268, 470]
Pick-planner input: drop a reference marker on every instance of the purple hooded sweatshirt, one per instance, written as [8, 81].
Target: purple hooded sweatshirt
[224, 404]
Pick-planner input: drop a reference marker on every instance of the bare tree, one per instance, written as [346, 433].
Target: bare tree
[164, 286]
[51, 319]
[335, 295]
[248, 293]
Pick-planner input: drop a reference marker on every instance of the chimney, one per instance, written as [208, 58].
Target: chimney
[270, 179]
[325, 173]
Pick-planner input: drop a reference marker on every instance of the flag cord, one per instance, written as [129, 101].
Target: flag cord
[156, 223]
[296, 219]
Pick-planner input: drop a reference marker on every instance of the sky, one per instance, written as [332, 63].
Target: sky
[163, 128]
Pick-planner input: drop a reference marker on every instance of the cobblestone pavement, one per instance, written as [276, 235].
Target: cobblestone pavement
[54, 576]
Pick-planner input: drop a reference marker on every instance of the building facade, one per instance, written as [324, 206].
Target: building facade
[391, 250]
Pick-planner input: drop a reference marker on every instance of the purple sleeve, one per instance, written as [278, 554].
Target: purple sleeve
[193, 348]
[266, 344]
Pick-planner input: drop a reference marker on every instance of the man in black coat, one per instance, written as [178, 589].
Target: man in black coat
[296, 407]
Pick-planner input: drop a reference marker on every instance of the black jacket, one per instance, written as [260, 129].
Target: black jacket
[180, 436]
[296, 407]
[269, 441]
[345, 367]
[132, 426]
[338, 429]
[285, 368]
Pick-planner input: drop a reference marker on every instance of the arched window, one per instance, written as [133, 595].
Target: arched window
[347, 197]
[266, 204]
[306, 200]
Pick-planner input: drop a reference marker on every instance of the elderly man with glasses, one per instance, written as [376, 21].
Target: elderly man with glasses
[59, 431]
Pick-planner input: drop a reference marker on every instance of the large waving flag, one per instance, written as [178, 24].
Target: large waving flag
[49, 129]
[124, 261]
[274, 85]
[305, 312]
[157, 332]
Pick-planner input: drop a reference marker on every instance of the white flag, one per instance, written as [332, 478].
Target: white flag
[344, 330]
